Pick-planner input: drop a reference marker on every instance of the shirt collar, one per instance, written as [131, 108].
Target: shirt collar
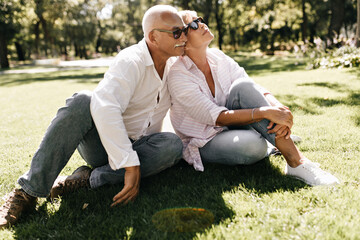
[188, 63]
[213, 59]
[147, 56]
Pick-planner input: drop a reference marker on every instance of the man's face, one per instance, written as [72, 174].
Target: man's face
[167, 43]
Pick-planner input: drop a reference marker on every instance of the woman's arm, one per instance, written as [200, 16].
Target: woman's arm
[279, 115]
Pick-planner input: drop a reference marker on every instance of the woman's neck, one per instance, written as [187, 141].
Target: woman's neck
[198, 56]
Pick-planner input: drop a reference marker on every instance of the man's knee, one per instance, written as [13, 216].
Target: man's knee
[81, 98]
[79, 103]
[172, 146]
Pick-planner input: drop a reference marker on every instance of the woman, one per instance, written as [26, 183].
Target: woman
[222, 116]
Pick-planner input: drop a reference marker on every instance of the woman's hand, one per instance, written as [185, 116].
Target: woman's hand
[279, 130]
[279, 115]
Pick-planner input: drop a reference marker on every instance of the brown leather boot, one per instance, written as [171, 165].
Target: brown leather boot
[16, 204]
[65, 185]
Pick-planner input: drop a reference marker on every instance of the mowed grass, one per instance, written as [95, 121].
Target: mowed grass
[247, 202]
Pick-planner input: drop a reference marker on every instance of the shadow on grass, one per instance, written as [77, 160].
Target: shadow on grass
[333, 86]
[308, 105]
[355, 71]
[80, 76]
[290, 101]
[258, 65]
[180, 186]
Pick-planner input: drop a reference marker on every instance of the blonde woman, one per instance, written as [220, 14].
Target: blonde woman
[222, 116]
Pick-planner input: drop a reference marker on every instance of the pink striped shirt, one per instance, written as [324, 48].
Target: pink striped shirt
[194, 110]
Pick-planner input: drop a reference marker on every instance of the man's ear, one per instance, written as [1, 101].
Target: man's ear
[153, 37]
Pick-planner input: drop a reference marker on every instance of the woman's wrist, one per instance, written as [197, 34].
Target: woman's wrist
[261, 113]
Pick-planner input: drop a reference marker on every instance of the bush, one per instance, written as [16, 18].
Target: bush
[345, 56]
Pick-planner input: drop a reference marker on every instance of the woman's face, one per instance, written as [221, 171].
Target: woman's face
[198, 33]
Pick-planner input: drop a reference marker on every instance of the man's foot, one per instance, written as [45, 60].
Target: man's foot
[311, 174]
[64, 185]
[17, 203]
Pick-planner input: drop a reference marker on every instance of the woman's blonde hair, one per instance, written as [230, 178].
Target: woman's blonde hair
[187, 16]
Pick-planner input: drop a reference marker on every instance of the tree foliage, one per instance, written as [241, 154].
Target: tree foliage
[86, 28]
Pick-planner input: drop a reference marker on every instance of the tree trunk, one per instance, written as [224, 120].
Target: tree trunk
[219, 22]
[304, 21]
[208, 8]
[358, 25]
[37, 39]
[4, 62]
[337, 18]
[184, 4]
[20, 51]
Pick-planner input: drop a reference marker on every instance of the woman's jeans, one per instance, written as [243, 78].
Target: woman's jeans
[241, 145]
[73, 128]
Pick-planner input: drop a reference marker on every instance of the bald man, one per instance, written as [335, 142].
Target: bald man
[116, 128]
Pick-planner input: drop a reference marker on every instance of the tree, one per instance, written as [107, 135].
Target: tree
[219, 15]
[304, 24]
[47, 12]
[9, 11]
[337, 8]
[358, 25]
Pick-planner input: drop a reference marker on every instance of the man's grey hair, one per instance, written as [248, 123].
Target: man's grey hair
[153, 15]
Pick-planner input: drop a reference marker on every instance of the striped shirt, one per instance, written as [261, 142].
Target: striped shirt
[194, 110]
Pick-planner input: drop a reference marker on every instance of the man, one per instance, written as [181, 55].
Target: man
[116, 129]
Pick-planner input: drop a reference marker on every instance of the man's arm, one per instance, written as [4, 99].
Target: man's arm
[110, 99]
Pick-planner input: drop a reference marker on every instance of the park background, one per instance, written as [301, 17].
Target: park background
[71, 29]
[303, 51]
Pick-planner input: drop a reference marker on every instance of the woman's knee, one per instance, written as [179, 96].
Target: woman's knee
[245, 94]
[242, 85]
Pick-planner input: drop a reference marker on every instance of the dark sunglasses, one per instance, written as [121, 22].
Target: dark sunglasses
[177, 33]
[195, 24]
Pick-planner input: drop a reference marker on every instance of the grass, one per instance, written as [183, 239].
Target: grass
[247, 202]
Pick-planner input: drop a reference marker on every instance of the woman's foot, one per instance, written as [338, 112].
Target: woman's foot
[311, 174]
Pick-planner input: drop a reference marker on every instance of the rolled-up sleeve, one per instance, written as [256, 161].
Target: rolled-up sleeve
[108, 103]
[191, 98]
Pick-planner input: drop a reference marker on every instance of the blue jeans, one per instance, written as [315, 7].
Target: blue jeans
[244, 144]
[73, 128]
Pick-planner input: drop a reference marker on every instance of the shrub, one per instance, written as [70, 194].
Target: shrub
[345, 56]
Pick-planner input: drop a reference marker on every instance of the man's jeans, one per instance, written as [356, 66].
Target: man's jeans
[73, 128]
[241, 145]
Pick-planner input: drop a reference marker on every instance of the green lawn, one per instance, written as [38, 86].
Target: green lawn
[247, 202]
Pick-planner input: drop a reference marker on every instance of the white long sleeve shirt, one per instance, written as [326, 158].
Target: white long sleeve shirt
[194, 110]
[130, 102]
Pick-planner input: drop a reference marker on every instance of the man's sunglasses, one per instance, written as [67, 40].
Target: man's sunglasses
[177, 33]
[195, 24]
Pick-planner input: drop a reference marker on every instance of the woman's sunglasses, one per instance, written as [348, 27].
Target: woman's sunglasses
[176, 34]
[195, 24]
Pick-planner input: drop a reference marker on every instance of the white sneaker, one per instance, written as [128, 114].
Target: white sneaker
[311, 174]
[295, 139]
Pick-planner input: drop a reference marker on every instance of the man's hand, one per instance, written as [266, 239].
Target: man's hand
[131, 186]
[279, 130]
